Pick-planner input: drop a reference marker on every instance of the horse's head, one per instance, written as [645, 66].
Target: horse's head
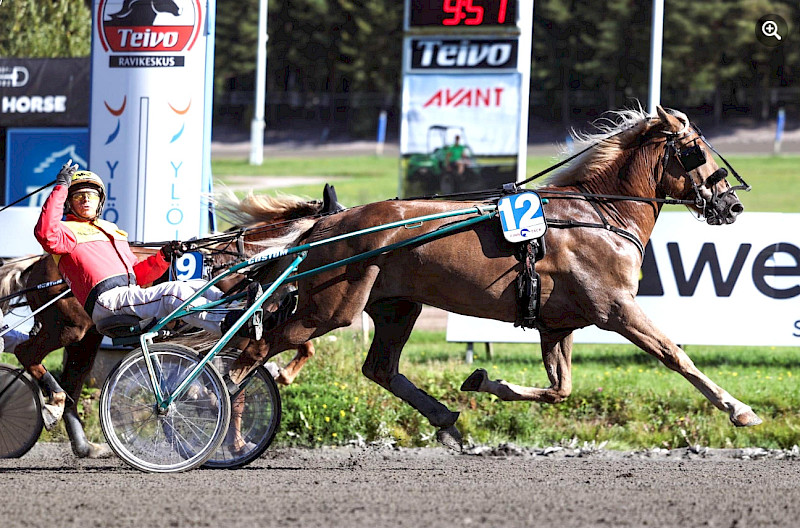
[689, 171]
[166, 6]
[143, 12]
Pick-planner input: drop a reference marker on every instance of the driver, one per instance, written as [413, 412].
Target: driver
[96, 261]
[455, 157]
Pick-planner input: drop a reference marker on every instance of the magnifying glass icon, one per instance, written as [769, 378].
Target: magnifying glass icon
[770, 29]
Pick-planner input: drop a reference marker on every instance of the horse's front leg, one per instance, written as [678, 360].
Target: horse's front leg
[292, 369]
[557, 358]
[631, 322]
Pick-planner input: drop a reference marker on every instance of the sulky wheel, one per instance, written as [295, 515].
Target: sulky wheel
[180, 438]
[20, 412]
[255, 411]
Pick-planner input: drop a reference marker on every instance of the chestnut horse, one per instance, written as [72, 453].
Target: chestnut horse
[589, 275]
[66, 324]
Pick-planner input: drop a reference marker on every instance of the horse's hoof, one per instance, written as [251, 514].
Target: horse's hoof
[450, 437]
[474, 381]
[51, 414]
[99, 451]
[746, 419]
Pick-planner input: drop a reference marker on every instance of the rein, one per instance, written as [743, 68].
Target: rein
[40, 189]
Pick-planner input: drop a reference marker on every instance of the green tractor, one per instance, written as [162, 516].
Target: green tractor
[448, 165]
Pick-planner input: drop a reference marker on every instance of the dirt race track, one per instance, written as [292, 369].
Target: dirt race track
[382, 486]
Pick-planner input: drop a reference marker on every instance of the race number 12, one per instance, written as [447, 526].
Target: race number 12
[522, 217]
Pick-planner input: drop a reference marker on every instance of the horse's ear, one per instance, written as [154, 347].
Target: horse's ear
[669, 121]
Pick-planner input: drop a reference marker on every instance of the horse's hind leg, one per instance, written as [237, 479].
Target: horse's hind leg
[631, 322]
[557, 358]
[394, 319]
[78, 361]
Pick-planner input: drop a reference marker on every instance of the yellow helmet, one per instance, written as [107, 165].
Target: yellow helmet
[83, 179]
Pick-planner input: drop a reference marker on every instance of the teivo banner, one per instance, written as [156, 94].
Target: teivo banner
[44, 92]
[701, 285]
[467, 55]
[147, 114]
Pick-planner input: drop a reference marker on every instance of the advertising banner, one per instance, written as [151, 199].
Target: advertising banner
[459, 132]
[44, 92]
[701, 285]
[35, 156]
[483, 105]
[474, 54]
[147, 114]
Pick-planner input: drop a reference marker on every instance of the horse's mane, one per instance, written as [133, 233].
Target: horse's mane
[263, 209]
[614, 133]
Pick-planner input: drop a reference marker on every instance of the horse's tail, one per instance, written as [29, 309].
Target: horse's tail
[13, 274]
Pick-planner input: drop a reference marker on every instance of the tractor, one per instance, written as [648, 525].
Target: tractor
[434, 171]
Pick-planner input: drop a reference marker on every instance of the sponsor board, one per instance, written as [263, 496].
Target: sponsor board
[701, 285]
[147, 114]
[44, 92]
[471, 55]
[486, 106]
[35, 155]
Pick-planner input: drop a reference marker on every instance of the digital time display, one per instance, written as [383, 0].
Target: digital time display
[462, 13]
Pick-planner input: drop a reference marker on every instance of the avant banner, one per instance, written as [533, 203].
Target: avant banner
[147, 123]
[487, 106]
[701, 285]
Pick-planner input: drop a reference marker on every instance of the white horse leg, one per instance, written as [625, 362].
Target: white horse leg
[631, 322]
[557, 358]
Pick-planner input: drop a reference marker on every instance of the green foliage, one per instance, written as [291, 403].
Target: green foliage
[53, 28]
[710, 55]
[621, 396]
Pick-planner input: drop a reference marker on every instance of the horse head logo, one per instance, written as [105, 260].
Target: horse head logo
[149, 25]
[142, 12]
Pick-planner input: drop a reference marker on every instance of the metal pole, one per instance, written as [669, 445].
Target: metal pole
[257, 125]
[656, 41]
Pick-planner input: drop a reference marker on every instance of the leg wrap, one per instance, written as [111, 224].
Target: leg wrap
[49, 384]
[437, 414]
[77, 437]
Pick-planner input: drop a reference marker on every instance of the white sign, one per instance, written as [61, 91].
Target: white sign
[486, 105]
[147, 114]
[706, 285]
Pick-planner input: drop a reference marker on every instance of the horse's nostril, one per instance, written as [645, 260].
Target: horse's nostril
[736, 209]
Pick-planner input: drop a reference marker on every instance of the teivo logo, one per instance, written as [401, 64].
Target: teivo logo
[431, 54]
[147, 26]
[724, 281]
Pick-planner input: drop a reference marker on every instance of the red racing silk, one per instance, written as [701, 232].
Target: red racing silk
[88, 252]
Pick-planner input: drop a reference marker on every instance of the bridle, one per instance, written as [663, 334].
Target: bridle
[692, 157]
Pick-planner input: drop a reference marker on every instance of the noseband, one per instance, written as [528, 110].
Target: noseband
[693, 157]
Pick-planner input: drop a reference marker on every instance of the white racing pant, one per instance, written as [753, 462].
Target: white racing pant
[159, 301]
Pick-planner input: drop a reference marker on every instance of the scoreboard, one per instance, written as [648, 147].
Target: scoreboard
[466, 78]
[462, 13]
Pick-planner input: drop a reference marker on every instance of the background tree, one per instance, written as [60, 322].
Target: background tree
[52, 28]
